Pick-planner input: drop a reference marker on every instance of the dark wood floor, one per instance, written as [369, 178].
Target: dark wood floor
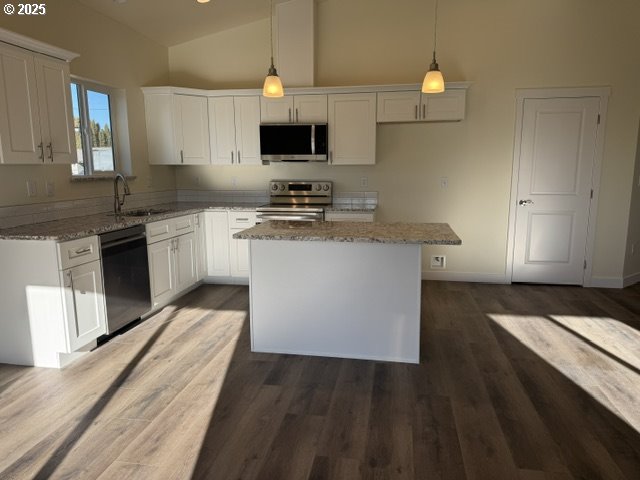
[516, 382]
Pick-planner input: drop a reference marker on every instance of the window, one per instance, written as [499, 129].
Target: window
[92, 121]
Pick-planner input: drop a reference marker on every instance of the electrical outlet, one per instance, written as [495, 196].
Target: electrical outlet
[50, 188]
[234, 181]
[32, 188]
[364, 182]
[444, 182]
[438, 261]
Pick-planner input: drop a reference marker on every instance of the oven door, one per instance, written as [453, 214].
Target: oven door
[298, 216]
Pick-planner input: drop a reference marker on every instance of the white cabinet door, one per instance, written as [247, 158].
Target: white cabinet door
[20, 136]
[217, 243]
[160, 119]
[352, 129]
[201, 246]
[310, 109]
[238, 255]
[247, 116]
[399, 107]
[161, 271]
[56, 116]
[192, 129]
[84, 304]
[446, 106]
[276, 110]
[185, 261]
[222, 131]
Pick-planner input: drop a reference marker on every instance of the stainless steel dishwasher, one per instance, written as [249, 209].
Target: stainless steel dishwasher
[125, 268]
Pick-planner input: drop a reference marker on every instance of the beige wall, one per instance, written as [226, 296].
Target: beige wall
[632, 260]
[499, 45]
[110, 53]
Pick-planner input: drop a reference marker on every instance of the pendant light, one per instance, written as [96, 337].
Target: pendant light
[272, 84]
[433, 80]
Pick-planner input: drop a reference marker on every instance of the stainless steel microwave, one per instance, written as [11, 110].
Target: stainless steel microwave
[293, 142]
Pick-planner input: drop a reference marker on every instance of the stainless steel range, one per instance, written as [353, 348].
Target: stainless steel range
[301, 200]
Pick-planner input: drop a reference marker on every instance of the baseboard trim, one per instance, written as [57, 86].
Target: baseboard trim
[631, 280]
[606, 282]
[465, 277]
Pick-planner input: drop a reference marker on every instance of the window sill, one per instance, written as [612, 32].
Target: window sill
[97, 178]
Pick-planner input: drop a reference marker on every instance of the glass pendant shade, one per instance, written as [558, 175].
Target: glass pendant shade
[433, 82]
[272, 84]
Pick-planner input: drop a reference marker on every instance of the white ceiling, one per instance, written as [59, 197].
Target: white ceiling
[170, 22]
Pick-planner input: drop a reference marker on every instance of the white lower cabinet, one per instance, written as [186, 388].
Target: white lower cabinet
[228, 258]
[84, 304]
[201, 246]
[53, 306]
[172, 261]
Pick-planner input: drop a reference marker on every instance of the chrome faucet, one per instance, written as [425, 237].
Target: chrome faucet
[117, 202]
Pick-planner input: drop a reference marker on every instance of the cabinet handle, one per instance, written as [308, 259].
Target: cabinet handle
[231, 156]
[80, 251]
[41, 157]
[416, 112]
[50, 147]
[181, 156]
[238, 157]
[70, 278]
[330, 156]
[242, 219]
[424, 111]
[289, 115]
[297, 116]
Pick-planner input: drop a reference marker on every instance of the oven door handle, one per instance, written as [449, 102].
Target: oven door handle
[312, 216]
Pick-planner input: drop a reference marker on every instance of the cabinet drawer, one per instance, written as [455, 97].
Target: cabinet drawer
[184, 224]
[242, 219]
[77, 252]
[157, 231]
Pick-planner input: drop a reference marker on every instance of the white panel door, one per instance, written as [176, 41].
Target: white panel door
[310, 109]
[192, 129]
[217, 243]
[276, 110]
[557, 153]
[84, 304]
[185, 251]
[20, 136]
[222, 130]
[247, 110]
[56, 118]
[352, 129]
[161, 271]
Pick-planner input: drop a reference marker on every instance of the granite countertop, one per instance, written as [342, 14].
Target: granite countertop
[350, 209]
[84, 226]
[362, 232]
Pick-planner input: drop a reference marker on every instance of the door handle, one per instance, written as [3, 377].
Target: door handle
[50, 148]
[289, 115]
[231, 156]
[41, 147]
[523, 203]
[238, 157]
[297, 116]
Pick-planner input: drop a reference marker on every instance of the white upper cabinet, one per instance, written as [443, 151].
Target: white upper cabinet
[192, 129]
[36, 120]
[294, 109]
[414, 106]
[177, 129]
[235, 130]
[352, 129]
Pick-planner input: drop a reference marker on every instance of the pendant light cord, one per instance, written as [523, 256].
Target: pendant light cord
[435, 30]
[271, 26]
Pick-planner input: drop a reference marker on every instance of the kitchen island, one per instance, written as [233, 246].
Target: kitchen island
[339, 289]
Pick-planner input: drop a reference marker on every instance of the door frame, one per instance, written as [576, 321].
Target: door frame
[603, 94]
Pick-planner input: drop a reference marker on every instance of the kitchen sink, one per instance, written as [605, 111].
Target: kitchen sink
[143, 212]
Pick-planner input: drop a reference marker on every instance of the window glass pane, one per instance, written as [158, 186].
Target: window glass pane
[78, 168]
[100, 131]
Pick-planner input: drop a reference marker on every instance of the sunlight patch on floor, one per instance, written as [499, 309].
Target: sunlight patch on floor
[600, 355]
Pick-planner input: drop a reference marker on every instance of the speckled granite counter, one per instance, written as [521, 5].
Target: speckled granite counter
[78, 227]
[398, 233]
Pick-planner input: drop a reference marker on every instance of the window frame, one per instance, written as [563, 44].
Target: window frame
[82, 86]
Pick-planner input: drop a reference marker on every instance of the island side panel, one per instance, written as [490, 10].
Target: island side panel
[336, 299]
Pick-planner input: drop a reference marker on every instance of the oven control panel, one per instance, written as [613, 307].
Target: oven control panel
[322, 188]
